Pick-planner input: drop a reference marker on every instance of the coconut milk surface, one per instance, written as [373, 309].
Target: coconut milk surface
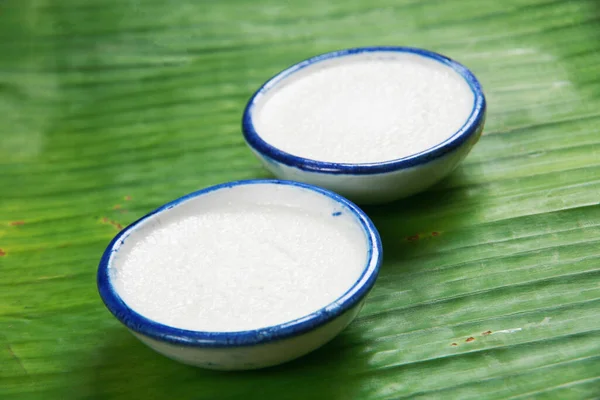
[239, 268]
[364, 108]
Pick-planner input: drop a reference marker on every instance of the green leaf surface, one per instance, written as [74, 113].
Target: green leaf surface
[490, 287]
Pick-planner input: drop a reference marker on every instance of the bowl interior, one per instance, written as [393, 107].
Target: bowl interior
[302, 201]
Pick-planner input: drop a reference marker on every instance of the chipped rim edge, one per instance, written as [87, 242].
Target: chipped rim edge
[470, 127]
[183, 337]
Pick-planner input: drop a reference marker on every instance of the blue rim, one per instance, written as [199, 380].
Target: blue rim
[469, 129]
[155, 330]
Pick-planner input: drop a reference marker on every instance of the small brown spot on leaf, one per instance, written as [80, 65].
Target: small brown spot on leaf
[435, 234]
[113, 223]
[16, 223]
[454, 344]
[123, 211]
[470, 339]
[116, 206]
[128, 197]
[486, 333]
[116, 225]
[2, 253]
[413, 238]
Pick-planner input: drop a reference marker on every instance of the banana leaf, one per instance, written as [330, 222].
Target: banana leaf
[490, 287]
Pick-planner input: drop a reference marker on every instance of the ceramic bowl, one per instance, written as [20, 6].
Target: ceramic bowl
[257, 348]
[376, 182]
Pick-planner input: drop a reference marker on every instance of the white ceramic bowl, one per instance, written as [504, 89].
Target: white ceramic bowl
[376, 182]
[253, 348]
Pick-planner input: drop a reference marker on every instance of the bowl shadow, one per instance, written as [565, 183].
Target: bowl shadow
[126, 368]
[415, 225]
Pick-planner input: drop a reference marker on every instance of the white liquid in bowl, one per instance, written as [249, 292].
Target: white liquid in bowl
[364, 108]
[242, 258]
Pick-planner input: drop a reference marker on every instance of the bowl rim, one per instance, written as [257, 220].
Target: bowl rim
[270, 152]
[184, 337]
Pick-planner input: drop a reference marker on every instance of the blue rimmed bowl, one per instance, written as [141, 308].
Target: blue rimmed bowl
[257, 348]
[374, 182]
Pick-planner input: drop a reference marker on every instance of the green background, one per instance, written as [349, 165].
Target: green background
[110, 108]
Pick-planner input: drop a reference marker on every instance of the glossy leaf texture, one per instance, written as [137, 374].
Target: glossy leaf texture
[490, 287]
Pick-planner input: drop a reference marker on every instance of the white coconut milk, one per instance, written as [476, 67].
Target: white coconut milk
[363, 108]
[233, 265]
